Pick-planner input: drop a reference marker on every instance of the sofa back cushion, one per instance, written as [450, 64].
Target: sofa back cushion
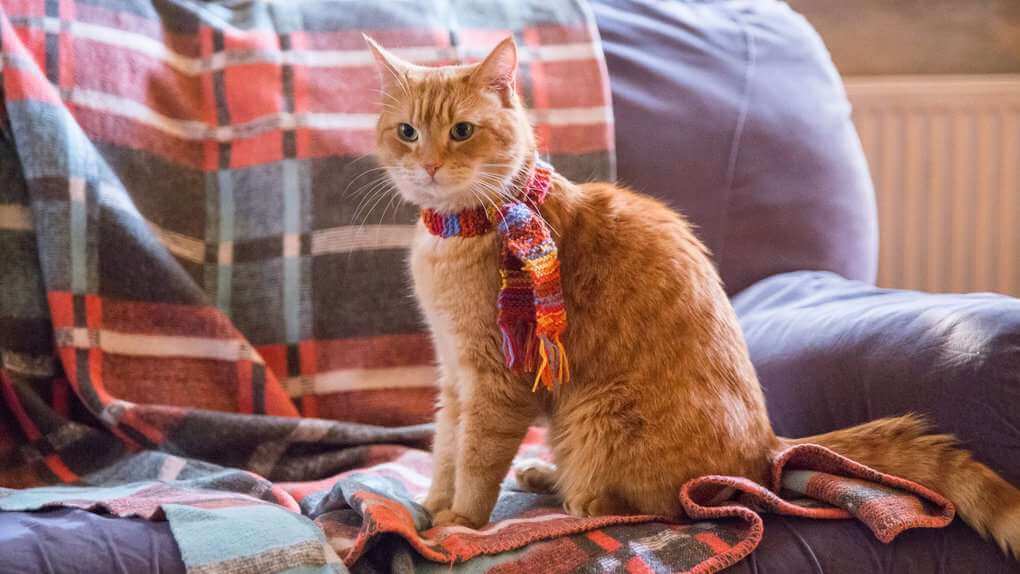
[732, 112]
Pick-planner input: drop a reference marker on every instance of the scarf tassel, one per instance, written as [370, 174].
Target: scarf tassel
[519, 346]
[554, 368]
[522, 349]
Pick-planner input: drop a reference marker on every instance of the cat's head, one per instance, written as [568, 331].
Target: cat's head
[450, 137]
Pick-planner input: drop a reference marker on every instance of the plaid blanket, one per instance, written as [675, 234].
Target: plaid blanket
[204, 316]
[191, 208]
[190, 218]
[370, 519]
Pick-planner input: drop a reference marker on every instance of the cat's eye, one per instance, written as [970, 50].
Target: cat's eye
[407, 132]
[461, 131]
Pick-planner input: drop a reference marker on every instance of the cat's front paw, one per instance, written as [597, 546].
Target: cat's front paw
[451, 518]
[437, 504]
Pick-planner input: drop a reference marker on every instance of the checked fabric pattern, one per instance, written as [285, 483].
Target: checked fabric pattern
[190, 216]
[530, 533]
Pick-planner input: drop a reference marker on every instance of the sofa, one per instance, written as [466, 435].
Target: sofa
[731, 112]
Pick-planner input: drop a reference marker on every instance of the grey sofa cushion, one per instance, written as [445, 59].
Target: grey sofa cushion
[832, 353]
[732, 112]
[802, 545]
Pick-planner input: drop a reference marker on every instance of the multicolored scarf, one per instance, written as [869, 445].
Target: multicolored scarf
[532, 316]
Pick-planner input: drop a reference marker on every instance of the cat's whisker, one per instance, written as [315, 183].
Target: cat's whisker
[393, 107]
[380, 193]
[362, 156]
[396, 200]
[498, 185]
[494, 177]
[359, 176]
[495, 206]
[506, 167]
[403, 83]
[492, 201]
[387, 177]
[369, 188]
[378, 227]
[386, 94]
[361, 206]
[399, 80]
[379, 188]
[503, 194]
[379, 197]
[477, 197]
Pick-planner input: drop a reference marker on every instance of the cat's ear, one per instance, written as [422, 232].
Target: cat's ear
[498, 71]
[391, 68]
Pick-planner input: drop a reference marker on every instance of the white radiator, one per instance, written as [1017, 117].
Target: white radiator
[944, 153]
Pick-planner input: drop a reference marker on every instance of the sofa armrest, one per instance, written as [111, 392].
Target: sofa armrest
[832, 353]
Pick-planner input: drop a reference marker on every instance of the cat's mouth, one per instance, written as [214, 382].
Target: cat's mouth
[435, 189]
[435, 183]
[431, 194]
[446, 192]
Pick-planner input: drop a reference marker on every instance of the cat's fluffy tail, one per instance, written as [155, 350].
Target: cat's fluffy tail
[902, 446]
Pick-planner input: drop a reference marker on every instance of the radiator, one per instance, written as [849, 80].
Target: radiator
[944, 154]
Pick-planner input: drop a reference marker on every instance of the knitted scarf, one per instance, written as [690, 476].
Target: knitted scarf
[532, 317]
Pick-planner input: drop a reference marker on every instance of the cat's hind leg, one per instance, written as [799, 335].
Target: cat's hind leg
[535, 475]
[588, 503]
[539, 476]
[609, 460]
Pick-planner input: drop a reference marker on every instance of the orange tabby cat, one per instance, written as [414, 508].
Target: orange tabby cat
[661, 387]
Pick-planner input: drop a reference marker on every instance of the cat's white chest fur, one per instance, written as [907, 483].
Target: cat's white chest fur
[457, 282]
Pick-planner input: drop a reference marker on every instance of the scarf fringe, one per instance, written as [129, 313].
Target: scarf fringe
[522, 349]
[554, 368]
[519, 346]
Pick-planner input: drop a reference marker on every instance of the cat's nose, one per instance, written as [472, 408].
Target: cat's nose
[432, 167]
